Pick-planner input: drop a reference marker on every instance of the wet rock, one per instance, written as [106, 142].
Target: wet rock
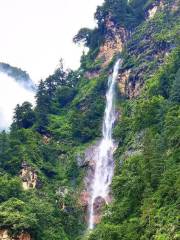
[86, 159]
[99, 203]
[90, 154]
[81, 161]
[123, 81]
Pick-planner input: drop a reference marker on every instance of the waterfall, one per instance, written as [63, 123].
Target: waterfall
[104, 164]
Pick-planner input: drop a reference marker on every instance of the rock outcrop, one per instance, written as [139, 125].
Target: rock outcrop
[28, 176]
[4, 235]
[24, 236]
[123, 81]
[92, 74]
[115, 39]
[61, 193]
[84, 202]
[153, 48]
[86, 159]
[99, 203]
[46, 139]
[114, 42]
[152, 12]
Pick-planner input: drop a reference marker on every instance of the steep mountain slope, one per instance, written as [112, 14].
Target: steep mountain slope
[46, 157]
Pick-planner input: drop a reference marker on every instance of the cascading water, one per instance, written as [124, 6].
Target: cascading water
[104, 164]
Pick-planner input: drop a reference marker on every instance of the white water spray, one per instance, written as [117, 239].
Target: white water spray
[104, 164]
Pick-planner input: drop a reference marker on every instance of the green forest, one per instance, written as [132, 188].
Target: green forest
[44, 142]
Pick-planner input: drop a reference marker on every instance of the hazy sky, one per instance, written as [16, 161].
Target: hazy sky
[35, 34]
[11, 93]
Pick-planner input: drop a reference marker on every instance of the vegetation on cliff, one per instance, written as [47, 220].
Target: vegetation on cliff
[46, 141]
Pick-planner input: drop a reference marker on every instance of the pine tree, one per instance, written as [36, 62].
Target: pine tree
[42, 106]
[24, 116]
[175, 91]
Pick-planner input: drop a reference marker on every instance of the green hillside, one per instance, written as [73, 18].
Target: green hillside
[41, 180]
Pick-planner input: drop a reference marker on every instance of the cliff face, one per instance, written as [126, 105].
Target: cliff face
[113, 43]
[149, 104]
[144, 50]
[47, 195]
[148, 47]
[115, 39]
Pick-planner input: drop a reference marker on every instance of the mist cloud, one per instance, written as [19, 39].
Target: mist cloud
[11, 94]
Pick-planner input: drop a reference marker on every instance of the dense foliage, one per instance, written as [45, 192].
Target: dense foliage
[67, 119]
[146, 185]
[48, 140]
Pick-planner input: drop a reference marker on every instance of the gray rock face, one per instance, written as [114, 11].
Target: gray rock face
[85, 159]
[29, 176]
